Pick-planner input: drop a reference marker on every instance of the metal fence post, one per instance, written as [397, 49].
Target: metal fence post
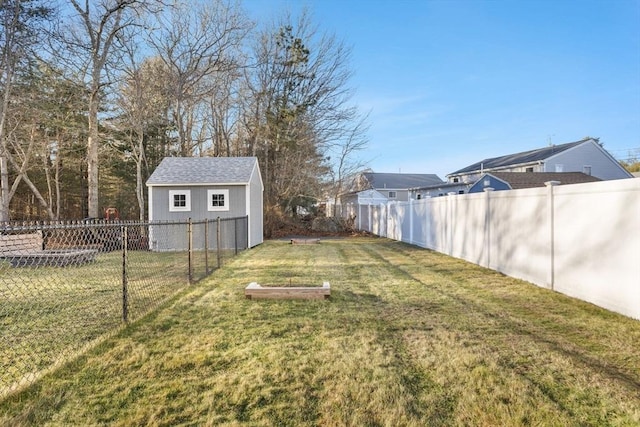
[246, 229]
[206, 247]
[235, 235]
[190, 249]
[125, 290]
[218, 240]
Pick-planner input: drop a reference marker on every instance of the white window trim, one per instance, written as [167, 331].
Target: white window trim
[187, 194]
[210, 207]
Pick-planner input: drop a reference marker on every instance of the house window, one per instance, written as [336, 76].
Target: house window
[218, 200]
[179, 200]
[530, 169]
[392, 194]
[460, 191]
[586, 170]
[456, 179]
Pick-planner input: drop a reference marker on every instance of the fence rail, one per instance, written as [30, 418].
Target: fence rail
[581, 240]
[66, 286]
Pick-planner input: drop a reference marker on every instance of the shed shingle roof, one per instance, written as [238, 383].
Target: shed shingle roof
[519, 158]
[203, 170]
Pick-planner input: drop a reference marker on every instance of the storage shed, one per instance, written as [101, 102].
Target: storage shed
[207, 188]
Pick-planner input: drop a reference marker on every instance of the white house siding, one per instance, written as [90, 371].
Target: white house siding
[574, 159]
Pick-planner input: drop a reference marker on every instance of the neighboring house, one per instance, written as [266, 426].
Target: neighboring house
[364, 197]
[517, 180]
[442, 189]
[396, 186]
[206, 188]
[586, 156]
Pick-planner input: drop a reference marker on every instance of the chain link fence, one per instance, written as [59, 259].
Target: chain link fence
[64, 287]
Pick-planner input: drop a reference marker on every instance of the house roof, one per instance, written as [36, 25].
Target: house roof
[401, 180]
[537, 179]
[203, 171]
[519, 158]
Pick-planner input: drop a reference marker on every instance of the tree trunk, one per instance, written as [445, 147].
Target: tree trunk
[92, 157]
[4, 179]
[139, 186]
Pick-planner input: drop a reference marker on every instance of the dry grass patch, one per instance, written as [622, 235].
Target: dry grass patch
[409, 337]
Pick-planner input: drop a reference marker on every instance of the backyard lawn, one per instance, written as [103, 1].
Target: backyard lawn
[409, 337]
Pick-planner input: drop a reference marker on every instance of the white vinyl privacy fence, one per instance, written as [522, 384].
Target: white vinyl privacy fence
[582, 240]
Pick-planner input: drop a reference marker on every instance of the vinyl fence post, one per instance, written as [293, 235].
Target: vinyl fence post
[488, 219]
[411, 221]
[218, 241]
[552, 237]
[125, 290]
[190, 249]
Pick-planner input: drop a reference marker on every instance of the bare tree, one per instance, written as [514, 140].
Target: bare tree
[299, 112]
[91, 40]
[199, 44]
[347, 163]
[22, 25]
[144, 102]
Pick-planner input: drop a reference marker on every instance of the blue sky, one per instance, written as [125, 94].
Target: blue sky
[451, 82]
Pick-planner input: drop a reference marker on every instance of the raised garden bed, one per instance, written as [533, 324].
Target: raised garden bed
[255, 291]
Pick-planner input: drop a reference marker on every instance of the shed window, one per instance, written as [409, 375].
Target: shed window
[179, 200]
[218, 200]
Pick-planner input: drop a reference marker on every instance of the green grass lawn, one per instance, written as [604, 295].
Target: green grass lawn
[409, 337]
[48, 314]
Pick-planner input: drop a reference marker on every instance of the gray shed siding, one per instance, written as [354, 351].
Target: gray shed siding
[160, 203]
[255, 208]
[602, 165]
[170, 238]
[238, 177]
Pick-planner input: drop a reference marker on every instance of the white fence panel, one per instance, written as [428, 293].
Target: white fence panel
[582, 240]
[420, 213]
[597, 244]
[520, 244]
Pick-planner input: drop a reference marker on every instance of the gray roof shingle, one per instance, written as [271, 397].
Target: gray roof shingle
[537, 179]
[519, 158]
[203, 170]
[401, 180]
